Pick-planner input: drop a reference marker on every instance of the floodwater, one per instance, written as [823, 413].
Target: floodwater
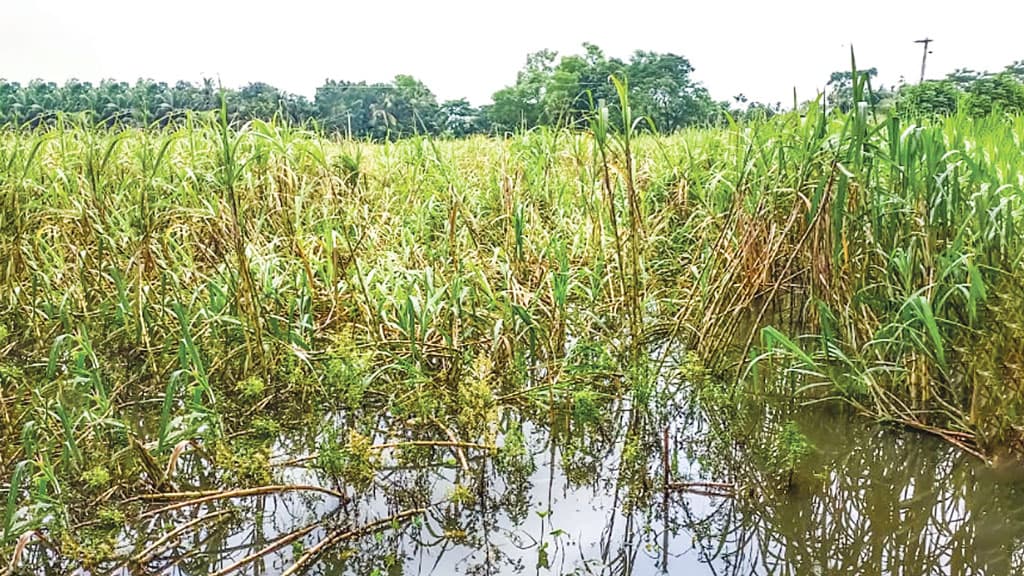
[867, 499]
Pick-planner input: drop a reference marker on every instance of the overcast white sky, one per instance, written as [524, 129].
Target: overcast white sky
[762, 48]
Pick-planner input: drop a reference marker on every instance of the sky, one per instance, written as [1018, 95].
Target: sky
[761, 48]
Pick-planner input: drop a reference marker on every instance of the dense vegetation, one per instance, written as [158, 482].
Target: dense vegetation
[549, 91]
[174, 297]
[546, 92]
[975, 93]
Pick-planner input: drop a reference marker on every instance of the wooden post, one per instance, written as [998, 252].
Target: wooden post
[924, 58]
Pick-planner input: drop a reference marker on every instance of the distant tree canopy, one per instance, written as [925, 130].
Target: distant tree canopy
[967, 91]
[840, 86]
[549, 90]
[563, 93]
[395, 109]
[378, 111]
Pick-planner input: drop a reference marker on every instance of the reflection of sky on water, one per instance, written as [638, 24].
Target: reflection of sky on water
[870, 500]
[588, 521]
[589, 518]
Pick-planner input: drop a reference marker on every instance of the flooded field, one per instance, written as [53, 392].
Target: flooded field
[255, 349]
[866, 499]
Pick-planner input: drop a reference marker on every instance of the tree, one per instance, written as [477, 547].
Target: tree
[961, 78]
[8, 96]
[35, 102]
[259, 100]
[112, 102]
[362, 110]
[416, 106]
[339, 109]
[522, 105]
[1016, 70]
[563, 93]
[664, 92]
[931, 98]
[578, 82]
[457, 118]
[998, 93]
[841, 96]
[75, 96]
[146, 98]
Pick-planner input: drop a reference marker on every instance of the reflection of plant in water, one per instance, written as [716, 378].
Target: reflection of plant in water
[867, 499]
[462, 495]
[91, 547]
[512, 457]
[581, 463]
[790, 449]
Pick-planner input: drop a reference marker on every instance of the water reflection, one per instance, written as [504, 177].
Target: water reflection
[589, 499]
[876, 500]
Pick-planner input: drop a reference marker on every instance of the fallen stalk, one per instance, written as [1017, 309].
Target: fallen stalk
[387, 446]
[19, 549]
[337, 537]
[269, 549]
[147, 554]
[707, 485]
[197, 498]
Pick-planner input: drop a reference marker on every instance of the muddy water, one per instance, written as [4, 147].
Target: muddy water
[867, 499]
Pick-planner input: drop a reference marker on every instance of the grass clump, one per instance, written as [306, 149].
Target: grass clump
[352, 462]
[244, 463]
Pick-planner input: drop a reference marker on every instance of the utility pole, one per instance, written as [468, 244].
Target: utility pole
[924, 58]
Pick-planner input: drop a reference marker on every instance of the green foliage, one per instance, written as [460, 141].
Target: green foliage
[585, 408]
[843, 89]
[976, 94]
[560, 93]
[791, 447]
[110, 518]
[351, 461]
[1000, 93]
[244, 463]
[459, 118]
[96, 478]
[932, 98]
[513, 456]
[477, 409]
[403, 107]
[462, 496]
[252, 388]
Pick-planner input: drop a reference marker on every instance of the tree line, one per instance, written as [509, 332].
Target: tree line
[402, 107]
[967, 91]
[548, 90]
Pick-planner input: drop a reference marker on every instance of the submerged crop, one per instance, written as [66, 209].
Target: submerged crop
[207, 313]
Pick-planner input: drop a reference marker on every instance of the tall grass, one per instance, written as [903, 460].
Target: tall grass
[169, 285]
